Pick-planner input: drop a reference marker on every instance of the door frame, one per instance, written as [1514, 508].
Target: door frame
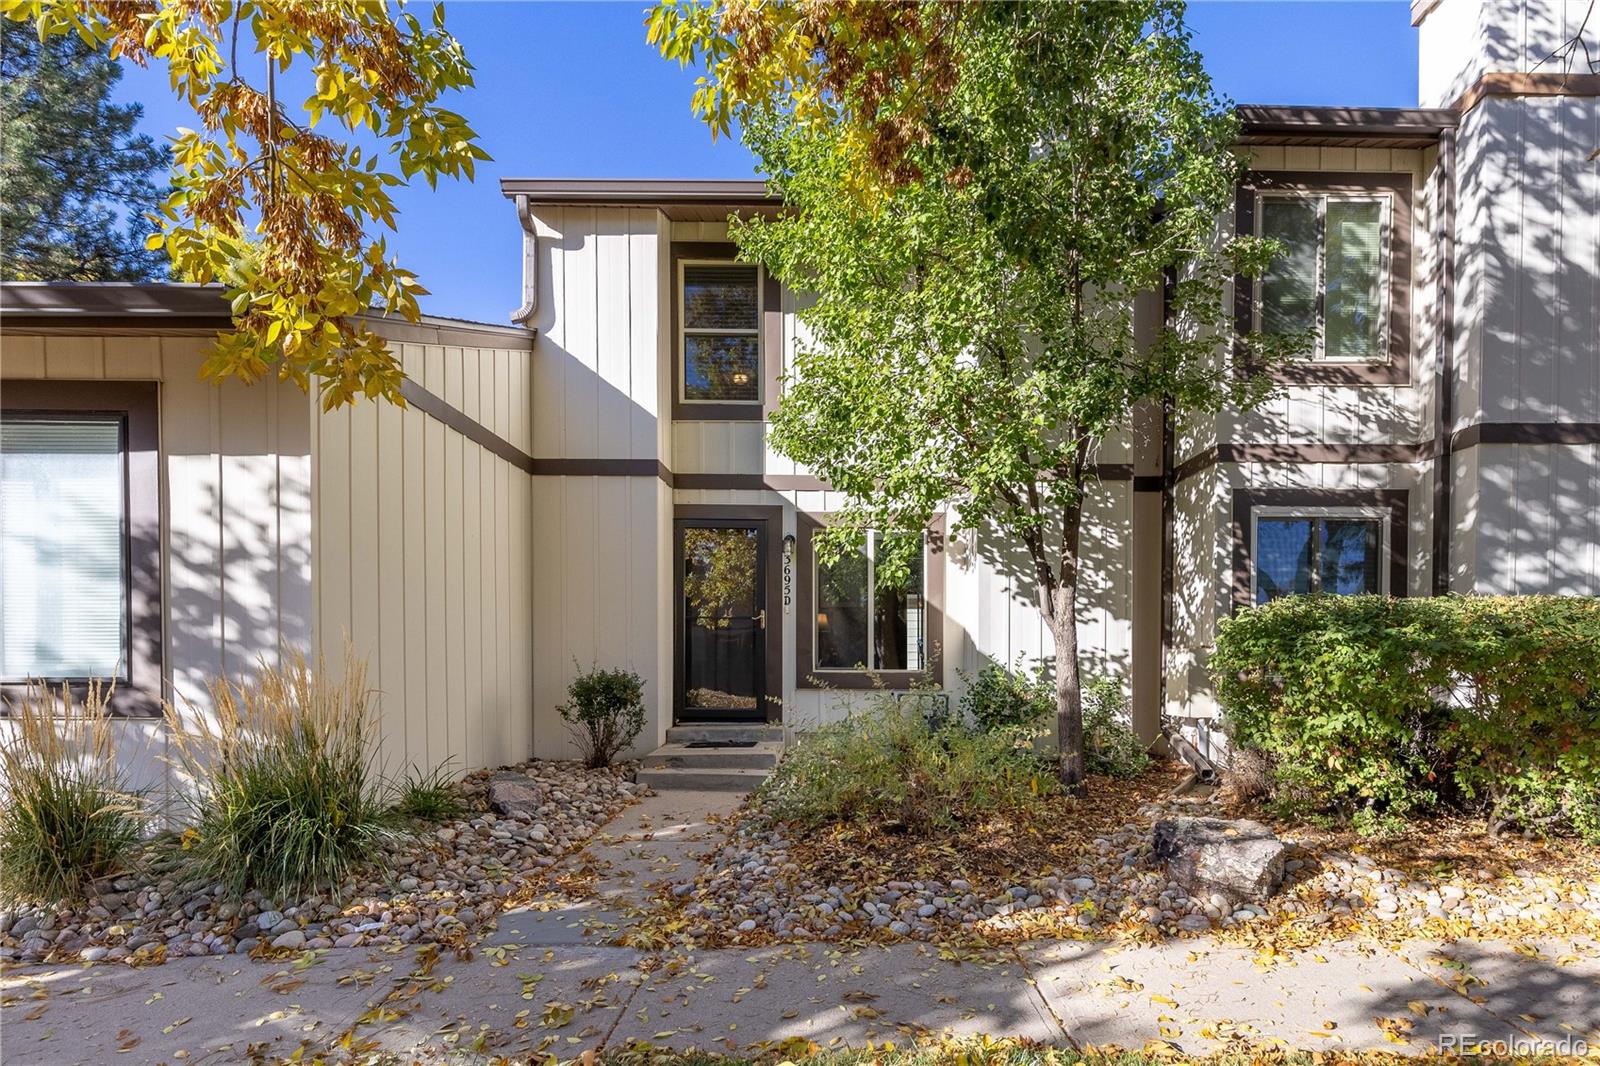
[769, 522]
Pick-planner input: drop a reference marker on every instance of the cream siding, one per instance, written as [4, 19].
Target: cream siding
[422, 554]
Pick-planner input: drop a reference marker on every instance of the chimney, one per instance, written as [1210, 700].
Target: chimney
[1459, 41]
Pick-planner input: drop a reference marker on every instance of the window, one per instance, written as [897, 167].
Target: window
[862, 623]
[720, 332]
[64, 592]
[1334, 550]
[1332, 275]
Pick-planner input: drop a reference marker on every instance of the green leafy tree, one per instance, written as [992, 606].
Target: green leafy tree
[972, 329]
[275, 200]
[75, 179]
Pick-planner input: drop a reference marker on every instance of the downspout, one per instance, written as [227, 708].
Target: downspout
[530, 265]
[1444, 377]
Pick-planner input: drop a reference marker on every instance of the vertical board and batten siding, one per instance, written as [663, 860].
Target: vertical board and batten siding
[423, 560]
[236, 484]
[1461, 40]
[1304, 414]
[601, 545]
[991, 609]
[1528, 344]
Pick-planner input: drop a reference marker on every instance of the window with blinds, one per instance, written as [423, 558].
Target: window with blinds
[721, 333]
[63, 548]
[1330, 274]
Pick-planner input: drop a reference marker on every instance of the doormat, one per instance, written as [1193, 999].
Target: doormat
[720, 744]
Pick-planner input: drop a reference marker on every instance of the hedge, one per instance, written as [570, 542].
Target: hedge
[1374, 709]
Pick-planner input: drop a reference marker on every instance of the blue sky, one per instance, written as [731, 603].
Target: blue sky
[572, 90]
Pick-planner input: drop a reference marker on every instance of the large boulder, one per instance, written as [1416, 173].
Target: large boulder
[516, 795]
[1241, 860]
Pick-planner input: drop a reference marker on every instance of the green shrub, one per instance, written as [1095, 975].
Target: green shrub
[69, 816]
[998, 698]
[427, 796]
[285, 798]
[889, 767]
[604, 712]
[1376, 709]
[1110, 746]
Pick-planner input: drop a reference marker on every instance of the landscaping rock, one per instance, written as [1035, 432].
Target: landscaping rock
[1241, 861]
[433, 885]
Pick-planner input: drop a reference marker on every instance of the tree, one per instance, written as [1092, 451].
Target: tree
[972, 325]
[75, 179]
[266, 203]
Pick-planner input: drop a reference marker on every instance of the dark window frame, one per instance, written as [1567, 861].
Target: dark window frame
[1394, 368]
[807, 676]
[1316, 518]
[137, 405]
[1395, 503]
[769, 347]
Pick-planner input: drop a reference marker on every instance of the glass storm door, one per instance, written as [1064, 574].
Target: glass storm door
[724, 619]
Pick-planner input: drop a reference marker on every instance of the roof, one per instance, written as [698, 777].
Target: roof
[681, 199]
[1348, 127]
[694, 199]
[163, 306]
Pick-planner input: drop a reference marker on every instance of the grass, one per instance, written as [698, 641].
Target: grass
[68, 816]
[427, 796]
[285, 797]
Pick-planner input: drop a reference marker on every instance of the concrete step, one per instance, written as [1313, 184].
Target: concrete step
[740, 731]
[762, 754]
[695, 779]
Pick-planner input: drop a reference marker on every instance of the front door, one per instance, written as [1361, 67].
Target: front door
[723, 620]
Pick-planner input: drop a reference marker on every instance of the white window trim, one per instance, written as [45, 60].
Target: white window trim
[684, 332]
[1375, 514]
[872, 614]
[1385, 251]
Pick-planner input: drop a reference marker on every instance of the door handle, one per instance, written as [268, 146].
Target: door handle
[761, 618]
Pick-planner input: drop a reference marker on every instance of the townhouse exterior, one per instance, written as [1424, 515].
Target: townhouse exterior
[594, 484]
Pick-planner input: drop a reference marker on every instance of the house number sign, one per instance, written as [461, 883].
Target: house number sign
[788, 573]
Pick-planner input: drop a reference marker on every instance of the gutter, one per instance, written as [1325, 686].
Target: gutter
[530, 265]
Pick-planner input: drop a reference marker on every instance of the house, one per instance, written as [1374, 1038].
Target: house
[594, 485]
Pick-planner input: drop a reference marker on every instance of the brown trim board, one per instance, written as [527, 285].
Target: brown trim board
[435, 407]
[1444, 361]
[1515, 83]
[137, 403]
[1395, 368]
[805, 564]
[1246, 500]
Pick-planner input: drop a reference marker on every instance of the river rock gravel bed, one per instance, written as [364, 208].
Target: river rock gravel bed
[439, 884]
[756, 889]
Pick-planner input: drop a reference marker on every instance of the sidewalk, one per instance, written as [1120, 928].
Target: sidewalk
[1192, 994]
[541, 982]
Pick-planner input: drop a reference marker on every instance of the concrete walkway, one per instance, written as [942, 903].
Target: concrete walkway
[542, 982]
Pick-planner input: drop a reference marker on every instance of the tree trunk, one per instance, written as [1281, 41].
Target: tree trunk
[1069, 696]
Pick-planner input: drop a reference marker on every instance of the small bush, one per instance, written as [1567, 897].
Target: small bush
[1375, 709]
[68, 816]
[1110, 746]
[889, 767]
[427, 796]
[285, 798]
[604, 712]
[998, 698]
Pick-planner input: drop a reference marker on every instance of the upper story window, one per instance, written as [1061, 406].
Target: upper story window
[1332, 274]
[64, 584]
[720, 332]
[1344, 272]
[1333, 550]
[863, 623]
